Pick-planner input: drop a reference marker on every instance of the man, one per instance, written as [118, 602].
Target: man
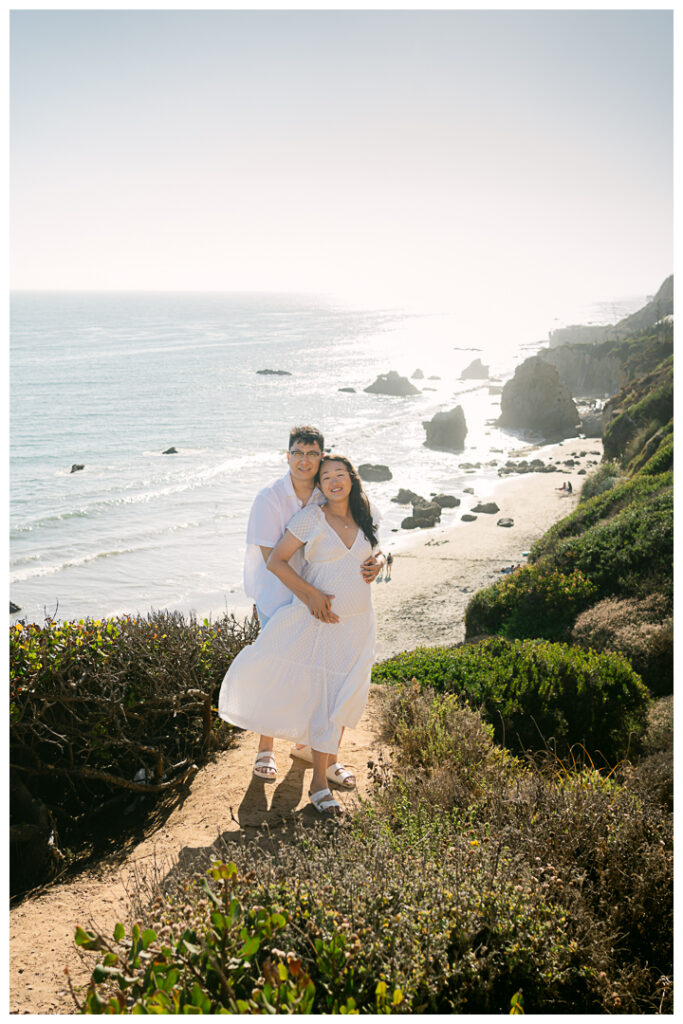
[273, 507]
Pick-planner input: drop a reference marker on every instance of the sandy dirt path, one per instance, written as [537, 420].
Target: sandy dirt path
[224, 798]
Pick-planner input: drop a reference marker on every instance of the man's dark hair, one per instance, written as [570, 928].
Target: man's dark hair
[307, 435]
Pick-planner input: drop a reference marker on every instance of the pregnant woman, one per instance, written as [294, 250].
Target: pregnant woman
[306, 677]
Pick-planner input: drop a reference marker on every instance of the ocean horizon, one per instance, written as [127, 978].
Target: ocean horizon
[111, 380]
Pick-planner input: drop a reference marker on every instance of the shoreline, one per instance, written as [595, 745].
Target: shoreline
[436, 572]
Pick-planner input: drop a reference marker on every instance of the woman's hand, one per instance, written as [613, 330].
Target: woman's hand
[320, 606]
[370, 568]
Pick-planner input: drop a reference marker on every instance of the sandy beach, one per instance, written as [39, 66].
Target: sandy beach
[435, 575]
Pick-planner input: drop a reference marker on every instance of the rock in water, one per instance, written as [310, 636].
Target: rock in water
[467, 518]
[170, 451]
[76, 466]
[446, 500]
[14, 608]
[275, 373]
[505, 521]
[350, 391]
[392, 384]
[475, 371]
[418, 375]
[376, 473]
[446, 430]
[535, 399]
[407, 497]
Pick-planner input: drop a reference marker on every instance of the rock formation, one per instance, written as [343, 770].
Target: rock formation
[446, 500]
[351, 391]
[475, 371]
[275, 373]
[407, 497]
[505, 521]
[170, 451]
[535, 399]
[374, 473]
[77, 466]
[489, 507]
[392, 384]
[418, 375]
[446, 431]
[14, 608]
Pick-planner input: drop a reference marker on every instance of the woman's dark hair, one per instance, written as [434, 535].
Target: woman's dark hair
[359, 506]
[307, 435]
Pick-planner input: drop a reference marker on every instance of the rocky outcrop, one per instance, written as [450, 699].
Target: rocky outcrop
[475, 371]
[350, 391]
[468, 518]
[505, 521]
[170, 451]
[587, 370]
[374, 473]
[275, 373]
[418, 375]
[591, 424]
[14, 608]
[535, 399]
[392, 384]
[653, 312]
[77, 466]
[446, 431]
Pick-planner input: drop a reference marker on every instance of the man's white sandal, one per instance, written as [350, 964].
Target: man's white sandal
[342, 776]
[263, 761]
[324, 803]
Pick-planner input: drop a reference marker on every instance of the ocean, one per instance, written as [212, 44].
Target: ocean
[111, 380]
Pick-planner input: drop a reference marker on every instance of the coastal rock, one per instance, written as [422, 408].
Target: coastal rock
[428, 510]
[14, 608]
[489, 507]
[535, 399]
[77, 466]
[374, 473]
[275, 373]
[406, 497]
[446, 431]
[418, 375]
[417, 522]
[434, 376]
[468, 490]
[467, 518]
[591, 425]
[505, 521]
[475, 371]
[446, 500]
[350, 391]
[392, 384]
[170, 451]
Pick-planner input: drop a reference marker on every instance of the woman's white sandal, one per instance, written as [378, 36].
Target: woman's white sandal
[303, 753]
[263, 762]
[324, 803]
[338, 773]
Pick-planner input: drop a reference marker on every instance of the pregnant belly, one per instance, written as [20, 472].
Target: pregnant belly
[352, 595]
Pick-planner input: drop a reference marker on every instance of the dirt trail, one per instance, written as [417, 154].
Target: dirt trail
[224, 797]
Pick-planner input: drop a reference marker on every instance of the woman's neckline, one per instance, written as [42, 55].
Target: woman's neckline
[336, 532]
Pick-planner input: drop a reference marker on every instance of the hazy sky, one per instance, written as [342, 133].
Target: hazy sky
[444, 157]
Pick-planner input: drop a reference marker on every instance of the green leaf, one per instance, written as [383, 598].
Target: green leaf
[149, 935]
[249, 948]
[119, 931]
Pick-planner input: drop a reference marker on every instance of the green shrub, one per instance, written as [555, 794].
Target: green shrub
[535, 691]
[631, 554]
[607, 476]
[104, 710]
[661, 460]
[532, 601]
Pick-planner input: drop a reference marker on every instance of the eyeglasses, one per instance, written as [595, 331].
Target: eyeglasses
[298, 455]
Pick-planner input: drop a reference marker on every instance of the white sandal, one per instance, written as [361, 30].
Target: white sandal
[324, 803]
[262, 763]
[342, 776]
[303, 753]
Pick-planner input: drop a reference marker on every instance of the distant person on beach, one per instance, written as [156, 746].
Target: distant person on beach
[273, 507]
[306, 677]
[390, 562]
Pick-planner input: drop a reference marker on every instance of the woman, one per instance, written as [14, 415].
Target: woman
[306, 677]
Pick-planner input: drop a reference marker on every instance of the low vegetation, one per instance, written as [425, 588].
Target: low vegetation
[104, 713]
[475, 882]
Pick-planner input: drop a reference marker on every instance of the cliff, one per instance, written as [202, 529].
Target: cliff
[662, 305]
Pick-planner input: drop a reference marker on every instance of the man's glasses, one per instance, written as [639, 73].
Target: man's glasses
[298, 455]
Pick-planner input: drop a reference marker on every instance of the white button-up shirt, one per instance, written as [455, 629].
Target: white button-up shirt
[273, 507]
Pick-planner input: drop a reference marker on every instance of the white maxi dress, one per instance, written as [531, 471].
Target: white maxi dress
[303, 679]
